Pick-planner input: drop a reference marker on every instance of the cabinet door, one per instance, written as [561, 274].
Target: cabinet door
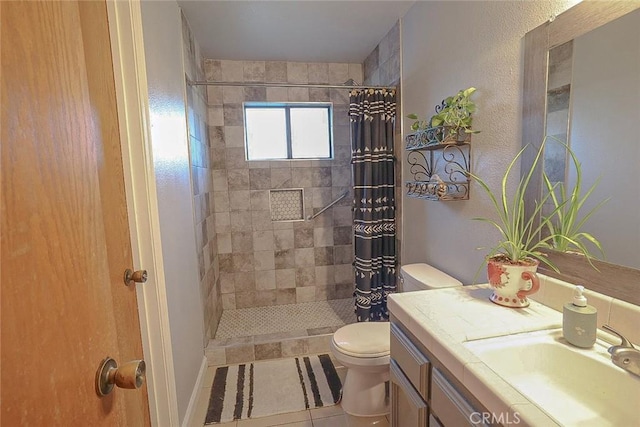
[451, 408]
[410, 359]
[407, 408]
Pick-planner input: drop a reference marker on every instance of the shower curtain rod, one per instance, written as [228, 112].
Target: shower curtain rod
[319, 86]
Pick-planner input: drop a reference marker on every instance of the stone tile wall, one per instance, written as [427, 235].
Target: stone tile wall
[201, 177]
[264, 262]
[558, 97]
[382, 65]
[382, 68]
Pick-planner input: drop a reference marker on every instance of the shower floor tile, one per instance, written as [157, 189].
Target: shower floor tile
[318, 316]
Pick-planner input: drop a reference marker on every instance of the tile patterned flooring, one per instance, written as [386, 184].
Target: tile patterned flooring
[331, 416]
[285, 318]
[261, 333]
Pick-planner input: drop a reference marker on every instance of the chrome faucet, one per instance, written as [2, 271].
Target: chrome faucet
[625, 355]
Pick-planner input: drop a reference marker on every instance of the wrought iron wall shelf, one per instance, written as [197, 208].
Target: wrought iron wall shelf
[435, 138]
[439, 171]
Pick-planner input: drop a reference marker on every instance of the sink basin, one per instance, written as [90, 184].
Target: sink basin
[573, 386]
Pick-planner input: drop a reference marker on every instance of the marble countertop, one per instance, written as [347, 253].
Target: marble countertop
[444, 319]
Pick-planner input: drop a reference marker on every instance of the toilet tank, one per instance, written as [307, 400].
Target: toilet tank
[420, 277]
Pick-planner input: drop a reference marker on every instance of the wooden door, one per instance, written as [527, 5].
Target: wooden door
[65, 236]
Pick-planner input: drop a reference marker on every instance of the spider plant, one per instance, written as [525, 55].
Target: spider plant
[520, 240]
[565, 224]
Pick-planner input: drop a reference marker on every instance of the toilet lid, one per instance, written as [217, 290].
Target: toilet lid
[428, 277]
[364, 339]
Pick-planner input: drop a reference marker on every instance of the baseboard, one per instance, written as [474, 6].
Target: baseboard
[193, 401]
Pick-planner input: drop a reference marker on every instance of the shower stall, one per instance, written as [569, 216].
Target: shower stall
[271, 288]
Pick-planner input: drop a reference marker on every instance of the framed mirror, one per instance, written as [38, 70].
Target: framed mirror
[556, 102]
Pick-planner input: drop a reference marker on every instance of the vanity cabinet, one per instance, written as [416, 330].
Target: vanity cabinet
[423, 392]
[407, 407]
[409, 369]
[451, 406]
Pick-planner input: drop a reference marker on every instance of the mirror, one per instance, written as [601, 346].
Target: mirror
[592, 103]
[582, 84]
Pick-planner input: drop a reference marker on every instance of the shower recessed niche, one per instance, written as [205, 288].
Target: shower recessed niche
[287, 204]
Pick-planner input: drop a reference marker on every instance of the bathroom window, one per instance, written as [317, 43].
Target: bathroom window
[280, 131]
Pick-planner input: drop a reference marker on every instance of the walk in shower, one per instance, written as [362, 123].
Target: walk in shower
[271, 288]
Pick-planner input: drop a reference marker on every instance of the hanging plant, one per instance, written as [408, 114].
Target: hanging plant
[452, 121]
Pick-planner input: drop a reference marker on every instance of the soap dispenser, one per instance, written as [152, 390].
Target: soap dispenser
[579, 320]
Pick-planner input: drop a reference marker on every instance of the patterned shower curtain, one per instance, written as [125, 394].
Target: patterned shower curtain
[372, 117]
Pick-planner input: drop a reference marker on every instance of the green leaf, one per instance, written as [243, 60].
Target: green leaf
[469, 91]
[520, 234]
[412, 116]
[566, 222]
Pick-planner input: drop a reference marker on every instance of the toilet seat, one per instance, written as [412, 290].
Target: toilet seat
[364, 340]
[360, 362]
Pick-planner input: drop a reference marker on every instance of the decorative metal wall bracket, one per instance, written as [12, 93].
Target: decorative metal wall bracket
[440, 171]
[436, 137]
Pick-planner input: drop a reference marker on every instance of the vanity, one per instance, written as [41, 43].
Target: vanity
[458, 359]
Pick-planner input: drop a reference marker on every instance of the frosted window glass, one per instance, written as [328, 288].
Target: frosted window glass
[310, 133]
[288, 131]
[266, 133]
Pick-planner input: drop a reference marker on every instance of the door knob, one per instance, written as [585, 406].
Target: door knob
[131, 277]
[130, 375]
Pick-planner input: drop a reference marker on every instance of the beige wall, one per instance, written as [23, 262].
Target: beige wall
[448, 46]
[162, 33]
[263, 262]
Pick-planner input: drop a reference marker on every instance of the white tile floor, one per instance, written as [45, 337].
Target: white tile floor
[331, 416]
[285, 318]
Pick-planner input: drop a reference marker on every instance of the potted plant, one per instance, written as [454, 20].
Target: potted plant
[512, 263]
[452, 121]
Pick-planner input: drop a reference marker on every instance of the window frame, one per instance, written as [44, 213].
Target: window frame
[287, 107]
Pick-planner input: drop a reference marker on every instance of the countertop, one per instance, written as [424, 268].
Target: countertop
[444, 319]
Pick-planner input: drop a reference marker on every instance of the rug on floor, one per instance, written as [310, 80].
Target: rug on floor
[272, 387]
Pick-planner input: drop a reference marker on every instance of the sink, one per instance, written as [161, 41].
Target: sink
[573, 386]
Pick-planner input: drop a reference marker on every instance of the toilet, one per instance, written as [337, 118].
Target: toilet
[363, 348]
[422, 277]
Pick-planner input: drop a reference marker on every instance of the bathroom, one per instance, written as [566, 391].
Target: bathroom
[217, 254]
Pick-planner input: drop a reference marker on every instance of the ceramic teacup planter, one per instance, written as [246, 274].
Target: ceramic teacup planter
[512, 283]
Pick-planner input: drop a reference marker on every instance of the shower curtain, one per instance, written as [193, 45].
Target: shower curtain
[372, 117]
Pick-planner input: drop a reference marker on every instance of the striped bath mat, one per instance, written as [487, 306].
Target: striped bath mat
[272, 387]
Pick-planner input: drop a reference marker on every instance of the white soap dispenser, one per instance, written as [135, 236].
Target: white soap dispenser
[579, 320]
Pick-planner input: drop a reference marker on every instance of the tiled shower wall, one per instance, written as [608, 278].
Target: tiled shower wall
[201, 182]
[263, 262]
[382, 68]
[382, 65]
[558, 97]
